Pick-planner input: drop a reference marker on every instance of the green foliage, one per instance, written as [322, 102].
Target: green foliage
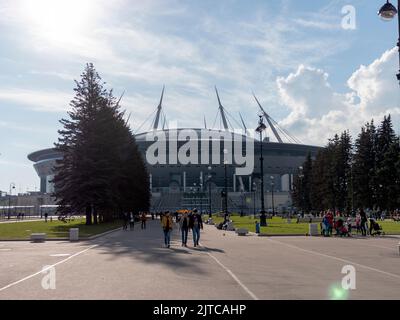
[344, 176]
[54, 229]
[102, 172]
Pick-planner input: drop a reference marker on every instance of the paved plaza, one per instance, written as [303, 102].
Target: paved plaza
[134, 265]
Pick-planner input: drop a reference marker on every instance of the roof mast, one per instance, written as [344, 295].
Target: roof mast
[244, 125]
[159, 108]
[222, 111]
[276, 134]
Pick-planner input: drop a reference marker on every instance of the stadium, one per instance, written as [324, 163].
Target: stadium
[188, 181]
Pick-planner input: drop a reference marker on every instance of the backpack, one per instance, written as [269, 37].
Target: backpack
[168, 224]
[195, 221]
[185, 223]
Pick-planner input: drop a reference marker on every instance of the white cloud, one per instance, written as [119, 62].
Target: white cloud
[38, 100]
[318, 112]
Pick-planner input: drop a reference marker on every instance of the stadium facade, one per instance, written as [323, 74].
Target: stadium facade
[175, 184]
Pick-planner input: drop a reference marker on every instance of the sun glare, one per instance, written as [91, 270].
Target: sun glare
[60, 20]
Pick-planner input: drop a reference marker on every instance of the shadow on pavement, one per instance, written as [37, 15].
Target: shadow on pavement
[148, 247]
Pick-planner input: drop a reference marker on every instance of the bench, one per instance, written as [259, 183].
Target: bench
[309, 220]
[210, 222]
[242, 232]
[38, 237]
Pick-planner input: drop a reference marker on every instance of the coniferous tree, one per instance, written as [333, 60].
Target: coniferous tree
[101, 167]
[385, 160]
[363, 169]
[367, 178]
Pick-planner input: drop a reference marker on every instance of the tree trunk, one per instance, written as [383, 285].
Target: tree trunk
[95, 215]
[88, 215]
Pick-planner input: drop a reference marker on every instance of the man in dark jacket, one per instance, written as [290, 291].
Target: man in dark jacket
[195, 223]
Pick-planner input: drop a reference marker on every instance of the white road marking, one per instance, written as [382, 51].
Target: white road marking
[337, 258]
[251, 294]
[365, 243]
[48, 267]
[60, 255]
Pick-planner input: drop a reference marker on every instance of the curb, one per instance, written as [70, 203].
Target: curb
[278, 235]
[65, 239]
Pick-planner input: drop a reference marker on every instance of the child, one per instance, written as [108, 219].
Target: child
[131, 222]
[257, 227]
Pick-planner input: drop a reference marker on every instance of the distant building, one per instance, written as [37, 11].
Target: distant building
[281, 161]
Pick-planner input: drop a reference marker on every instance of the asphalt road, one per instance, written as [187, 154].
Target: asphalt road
[134, 265]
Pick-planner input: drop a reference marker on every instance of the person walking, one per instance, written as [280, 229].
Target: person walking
[167, 225]
[257, 227]
[143, 218]
[131, 221]
[363, 223]
[125, 219]
[184, 228]
[196, 223]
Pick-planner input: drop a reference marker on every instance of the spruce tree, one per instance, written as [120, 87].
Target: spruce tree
[385, 160]
[101, 169]
[363, 170]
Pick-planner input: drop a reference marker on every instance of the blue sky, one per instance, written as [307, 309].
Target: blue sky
[313, 76]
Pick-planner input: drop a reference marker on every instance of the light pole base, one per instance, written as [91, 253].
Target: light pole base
[263, 220]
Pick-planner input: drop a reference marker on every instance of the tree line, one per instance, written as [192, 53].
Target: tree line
[346, 176]
[102, 173]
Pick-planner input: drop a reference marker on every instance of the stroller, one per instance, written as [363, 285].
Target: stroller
[375, 228]
[341, 228]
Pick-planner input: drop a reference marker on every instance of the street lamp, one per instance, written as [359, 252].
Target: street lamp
[225, 182]
[254, 199]
[300, 191]
[242, 205]
[201, 197]
[272, 189]
[194, 194]
[387, 13]
[12, 186]
[261, 127]
[209, 191]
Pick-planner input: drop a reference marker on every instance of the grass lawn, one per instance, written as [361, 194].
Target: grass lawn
[280, 226]
[276, 225]
[55, 229]
[390, 227]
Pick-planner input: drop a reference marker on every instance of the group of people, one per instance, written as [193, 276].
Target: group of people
[129, 218]
[188, 220]
[343, 226]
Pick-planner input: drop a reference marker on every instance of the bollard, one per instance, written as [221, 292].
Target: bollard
[313, 229]
[74, 234]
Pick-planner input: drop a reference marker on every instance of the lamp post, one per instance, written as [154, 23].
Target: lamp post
[225, 182]
[201, 197]
[194, 195]
[12, 186]
[272, 190]
[261, 127]
[242, 205]
[387, 13]
[300, 191]
[254, 199]
[209, 191]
